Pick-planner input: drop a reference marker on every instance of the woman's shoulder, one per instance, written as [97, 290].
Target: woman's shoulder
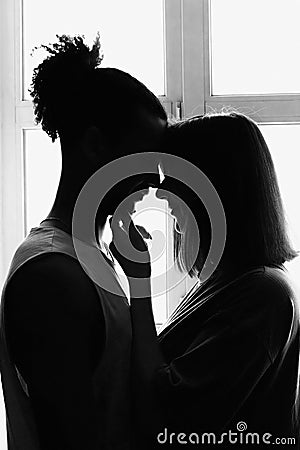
[270, 289]
[275, 280]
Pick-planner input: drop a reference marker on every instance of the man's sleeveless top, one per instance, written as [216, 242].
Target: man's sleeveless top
[112, 376]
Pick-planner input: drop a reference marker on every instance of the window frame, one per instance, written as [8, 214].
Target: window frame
[197, 95]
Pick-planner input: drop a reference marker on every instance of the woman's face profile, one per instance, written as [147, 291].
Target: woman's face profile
[170, 190]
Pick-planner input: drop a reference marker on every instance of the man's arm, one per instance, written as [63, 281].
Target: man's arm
[55, 331]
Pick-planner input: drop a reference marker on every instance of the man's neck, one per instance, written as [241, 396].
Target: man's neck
[64, 204]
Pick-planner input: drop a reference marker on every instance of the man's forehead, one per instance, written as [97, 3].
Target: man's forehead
[149, 133]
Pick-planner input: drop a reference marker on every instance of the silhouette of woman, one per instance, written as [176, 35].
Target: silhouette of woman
[229, 353]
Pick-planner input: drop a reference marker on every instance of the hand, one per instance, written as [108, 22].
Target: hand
[130, 249]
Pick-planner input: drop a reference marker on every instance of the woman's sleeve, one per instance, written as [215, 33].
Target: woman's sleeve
[212, 379]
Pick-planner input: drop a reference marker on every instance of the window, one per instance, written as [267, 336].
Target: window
[254, 45]
[42, 167]
[169, 285]
[132, 34]
[283, 142]
[250, 65]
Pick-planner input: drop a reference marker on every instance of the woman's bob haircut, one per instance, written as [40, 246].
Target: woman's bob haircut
[231, 151]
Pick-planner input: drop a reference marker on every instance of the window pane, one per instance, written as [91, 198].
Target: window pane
[42, 171]
[283, 142]
[255, 46]
[151, 213]
[169, 285]
[132, 34]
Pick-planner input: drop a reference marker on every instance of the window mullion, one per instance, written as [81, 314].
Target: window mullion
[25, 115]
[194, 41]
[173, 55]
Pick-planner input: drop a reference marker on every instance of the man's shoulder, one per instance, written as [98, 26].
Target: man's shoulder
[53, 282]
[50, 267]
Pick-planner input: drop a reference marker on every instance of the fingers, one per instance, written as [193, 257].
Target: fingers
[127, 237]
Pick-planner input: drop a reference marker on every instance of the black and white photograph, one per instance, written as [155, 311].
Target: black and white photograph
[149, 224]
